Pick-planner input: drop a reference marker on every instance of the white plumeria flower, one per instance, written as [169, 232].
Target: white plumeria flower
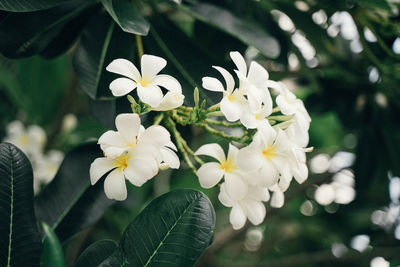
[249, 206]
[278, 198]
[137, 165]
[269, 153]
[46, 168]
[211, 173]
[147, 82]
[233, 101]
[30, 140]
[254, 82]
[256, 118]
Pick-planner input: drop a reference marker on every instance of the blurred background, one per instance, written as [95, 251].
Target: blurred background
[342, 58]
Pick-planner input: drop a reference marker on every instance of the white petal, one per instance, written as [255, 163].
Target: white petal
[114, 185]
[235, 186]
[170, 157]
[171, 100]
[231, 110]
[128, 125]
[232, 153]
[258, 76]
[155, 134]
[151, 66]
[213, 150]
[99, 167]
[209, 174]
[237, 217]
[212, 84]
[259, 193]
[255, 211]
[224, 198]
[146, 150]
[112, 143]
[249, 159]
[230, 82]
[269, 175]
[140, 170]
[248, 119]
[168, 82]
[125, 68]
[277, 200]
[122, 86]
[239, 62]
[151, 95]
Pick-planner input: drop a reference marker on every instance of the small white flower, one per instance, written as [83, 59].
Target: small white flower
[233, 101]
[45, 168]
[147, 82]
[212, 172]
[249, 206]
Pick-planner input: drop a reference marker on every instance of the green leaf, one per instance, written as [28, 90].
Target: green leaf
[19, 237]
[173, 230]
[101, 42]
[26, 34]
[127, 16]
[69, 203]
[96, 253]
[247, 31]
[28, 5]
[52, 253]
[382, 4]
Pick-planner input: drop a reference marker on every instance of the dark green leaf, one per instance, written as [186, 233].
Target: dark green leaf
[69, 203]
[102, 41]
[28, 5]
[127, 16]
[243, 29]
[26, 34]
[52, 253]
[19, 237]
[173, 230]
[96, 253]
[382, 4]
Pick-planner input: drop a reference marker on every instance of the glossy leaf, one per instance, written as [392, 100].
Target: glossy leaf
[52, 253]
[127, 16]
[173, 230]
[96, 253]
[28, 5]
[69, 203]
[26, 34]
[244, 30]
[101, 42]
[19, 237]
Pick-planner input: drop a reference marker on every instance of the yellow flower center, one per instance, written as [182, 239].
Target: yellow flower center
[258, 116]
[231, 98]
[144, 82]
[24, 140]
[131, 145]
[227, 166]
[268, 153]
[122, 161]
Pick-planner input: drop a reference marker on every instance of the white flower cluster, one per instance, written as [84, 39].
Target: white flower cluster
[134, 153]
[276, 153]
[32, 141]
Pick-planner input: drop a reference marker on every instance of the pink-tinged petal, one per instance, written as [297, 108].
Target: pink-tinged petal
[230, 82]
[239, 62]
[231, 109]
[122, 86]
[209, 174]
[255, 211]
[151, 95]
[277, 200]
[237, 217]
[224, 198]
[128, 125]
[155, 134]
[99, 167]
[169, 157]
[140, 170]
[213, 150]
[171, 100]
[168, 82]
[235, 186]
[257, 75]
[151, 66]
[212, 84]
[124, 67]
[250, 159]
[114, 185]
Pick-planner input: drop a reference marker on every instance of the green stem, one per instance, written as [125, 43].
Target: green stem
[158, 119]
[224, 123]
[242, 139]
[139, 45]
